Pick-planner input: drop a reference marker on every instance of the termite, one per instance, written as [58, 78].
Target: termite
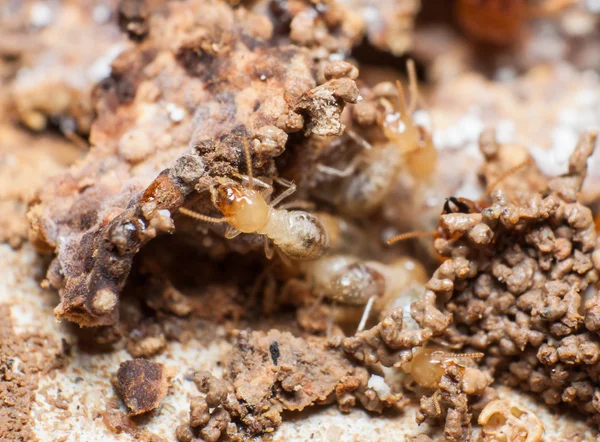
[297, 234]
[373, 171]
[428, 365]
[347, 280]
[463, 205]
[501, 22]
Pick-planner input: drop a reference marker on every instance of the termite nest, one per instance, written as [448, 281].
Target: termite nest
[243, 181]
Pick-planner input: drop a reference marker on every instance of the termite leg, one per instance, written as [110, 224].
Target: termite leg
[359, 140]
[282, 256]
[492, 186]
[246, 178]
[283, 182]
[291, 189]
[268, 248]
[248, 163]
[328, 170]
[343, 173]
[231, 232]
[351, 167]
[366, 314]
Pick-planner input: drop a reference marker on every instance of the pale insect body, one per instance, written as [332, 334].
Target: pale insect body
[374, 170]
[367, 189]
[428, 365]
[297, 234]
[348, 280]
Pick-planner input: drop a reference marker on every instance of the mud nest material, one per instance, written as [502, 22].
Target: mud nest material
[162, 97]
[517, 283]
[272, 372]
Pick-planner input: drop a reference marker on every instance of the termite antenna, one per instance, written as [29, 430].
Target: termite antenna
[358, 139]
[412, 85]
[490, 188]
[401, 98]
[409, 235]
[200, 217]
[248, 164]
[465, 355]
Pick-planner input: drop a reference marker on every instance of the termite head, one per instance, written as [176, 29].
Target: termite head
[459, 205]
[427, 367]
[400, 128]
[245, 209]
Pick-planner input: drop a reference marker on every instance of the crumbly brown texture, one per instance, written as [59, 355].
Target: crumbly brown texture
[23, 359]
[460, 387]
[390, 342]
[513, 284]
[516, 282]
[120, 422]
[142, 385]
[272, 372]
[161, 98]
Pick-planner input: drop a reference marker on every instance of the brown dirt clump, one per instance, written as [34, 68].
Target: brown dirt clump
[459, 391]
[23, 359]
[513, 285]
[142, 385]
[518, 287]
[271, 372]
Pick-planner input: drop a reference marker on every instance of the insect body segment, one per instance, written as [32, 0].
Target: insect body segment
[297, 234]
[245, 209]
[405, 143]
[348, 280]
[428, 365]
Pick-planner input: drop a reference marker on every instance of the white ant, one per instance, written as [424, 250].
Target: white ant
[348, 280]
[297, 234]
[374, 170]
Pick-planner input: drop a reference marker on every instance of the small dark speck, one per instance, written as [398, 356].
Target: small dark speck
[78, 379]
[274, 350]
